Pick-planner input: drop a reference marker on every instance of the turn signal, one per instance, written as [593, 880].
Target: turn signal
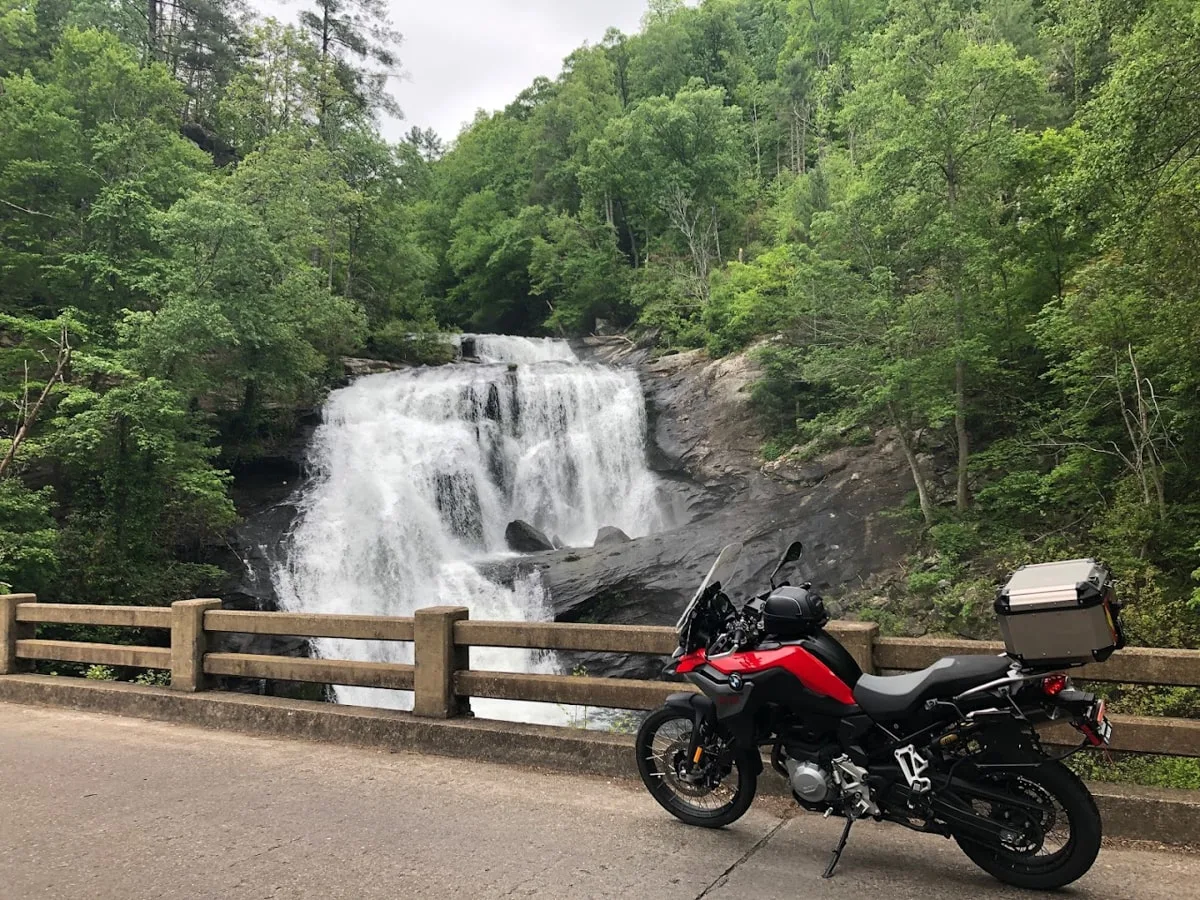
[1053, 685]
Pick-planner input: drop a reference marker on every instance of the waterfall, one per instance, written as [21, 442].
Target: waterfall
[417, 474]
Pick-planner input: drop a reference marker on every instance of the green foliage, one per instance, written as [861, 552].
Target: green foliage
[100, 673]
[971, 227]
[154, 678]
[1153, 771]
[28, 537]
[142, 493]
[751, 299]
[402, 341]
[163, 308]
[577, 263]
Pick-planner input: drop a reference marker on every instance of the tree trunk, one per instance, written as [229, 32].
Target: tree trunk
[963, 501]
[911, 457]
[804, 142]
[323, 103]
[152, 28]
[963, 497]
[757, 143]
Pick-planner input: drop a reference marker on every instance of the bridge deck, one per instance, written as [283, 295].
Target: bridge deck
[104, 807]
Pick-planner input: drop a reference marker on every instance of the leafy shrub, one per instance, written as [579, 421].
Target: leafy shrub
[955, 541]
[154, 678]
[749, 300]
[773, 449]
[28, 537]
[399, 341]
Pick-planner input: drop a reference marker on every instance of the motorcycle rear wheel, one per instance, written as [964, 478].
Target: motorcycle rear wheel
[720, 793]
[1067, 838]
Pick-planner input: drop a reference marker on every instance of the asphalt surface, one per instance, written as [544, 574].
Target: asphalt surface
[101, 808]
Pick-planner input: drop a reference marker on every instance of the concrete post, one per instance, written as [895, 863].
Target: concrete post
[12, 631]
[859, 640]
[189, 643]
[436, 659]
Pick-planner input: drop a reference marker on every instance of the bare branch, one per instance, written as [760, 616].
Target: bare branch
[32, 212]
[64, 357]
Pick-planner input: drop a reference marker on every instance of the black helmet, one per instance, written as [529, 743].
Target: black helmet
[794, 612]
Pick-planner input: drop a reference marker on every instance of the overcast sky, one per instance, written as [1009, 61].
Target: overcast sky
[464, 55]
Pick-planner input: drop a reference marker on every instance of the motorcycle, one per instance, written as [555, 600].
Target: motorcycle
[951, 750]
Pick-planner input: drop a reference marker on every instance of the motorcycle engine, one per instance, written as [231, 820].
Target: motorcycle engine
[811, 783]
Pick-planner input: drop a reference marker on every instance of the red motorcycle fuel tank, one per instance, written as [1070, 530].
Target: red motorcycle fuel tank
[813, 674]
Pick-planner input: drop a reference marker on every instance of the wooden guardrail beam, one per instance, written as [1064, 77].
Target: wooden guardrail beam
[96, 654]
[95, 614]
[1146, 665]
[1139, 734]
[395, 676]
[649, 640]
[652, 640]
[318, 625]
[1134, 665]
[615, 693]
[917, 653]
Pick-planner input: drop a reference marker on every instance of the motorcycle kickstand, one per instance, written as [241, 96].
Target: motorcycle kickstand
[837, 851]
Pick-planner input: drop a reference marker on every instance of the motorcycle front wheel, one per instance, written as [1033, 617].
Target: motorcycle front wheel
[711, 794]
[1048, 849]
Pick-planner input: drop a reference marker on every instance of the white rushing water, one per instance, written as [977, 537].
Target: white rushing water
[418, 473]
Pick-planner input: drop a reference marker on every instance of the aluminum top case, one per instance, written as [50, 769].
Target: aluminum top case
[1060, 614]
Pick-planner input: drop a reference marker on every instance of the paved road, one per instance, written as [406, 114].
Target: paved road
[103, 808]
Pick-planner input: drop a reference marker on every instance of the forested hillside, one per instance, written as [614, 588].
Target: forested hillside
[973, 222]
[197, 217]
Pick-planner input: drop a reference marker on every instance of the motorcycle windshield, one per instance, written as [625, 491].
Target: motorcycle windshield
[720, 573]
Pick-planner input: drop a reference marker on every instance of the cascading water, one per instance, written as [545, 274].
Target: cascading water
[418, 473]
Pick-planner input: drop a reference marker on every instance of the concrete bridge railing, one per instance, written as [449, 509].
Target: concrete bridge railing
[442, 680]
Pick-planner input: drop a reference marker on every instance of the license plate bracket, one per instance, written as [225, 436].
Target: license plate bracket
[1096, 726]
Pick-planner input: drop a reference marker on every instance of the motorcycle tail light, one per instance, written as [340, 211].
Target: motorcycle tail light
[1053, 685]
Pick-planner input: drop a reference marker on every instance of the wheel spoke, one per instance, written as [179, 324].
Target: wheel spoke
[667, 754]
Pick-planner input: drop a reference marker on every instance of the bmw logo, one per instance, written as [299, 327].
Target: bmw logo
[735, 681]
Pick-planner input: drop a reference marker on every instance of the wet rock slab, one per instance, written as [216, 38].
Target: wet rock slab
[844, 523]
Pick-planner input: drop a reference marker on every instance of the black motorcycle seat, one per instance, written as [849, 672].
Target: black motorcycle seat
[896, 696]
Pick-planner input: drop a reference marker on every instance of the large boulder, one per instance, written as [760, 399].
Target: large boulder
[610, 535]
[524, 538]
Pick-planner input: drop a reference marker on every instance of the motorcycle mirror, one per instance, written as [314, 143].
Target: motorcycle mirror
[790, 555]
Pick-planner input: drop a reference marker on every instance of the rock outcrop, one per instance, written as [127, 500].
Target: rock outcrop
[522, 537]
[609, 535]
[704, 439]
[849, 542]
[355, 367]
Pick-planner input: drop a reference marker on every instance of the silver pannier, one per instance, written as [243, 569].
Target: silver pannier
[1060, 613]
